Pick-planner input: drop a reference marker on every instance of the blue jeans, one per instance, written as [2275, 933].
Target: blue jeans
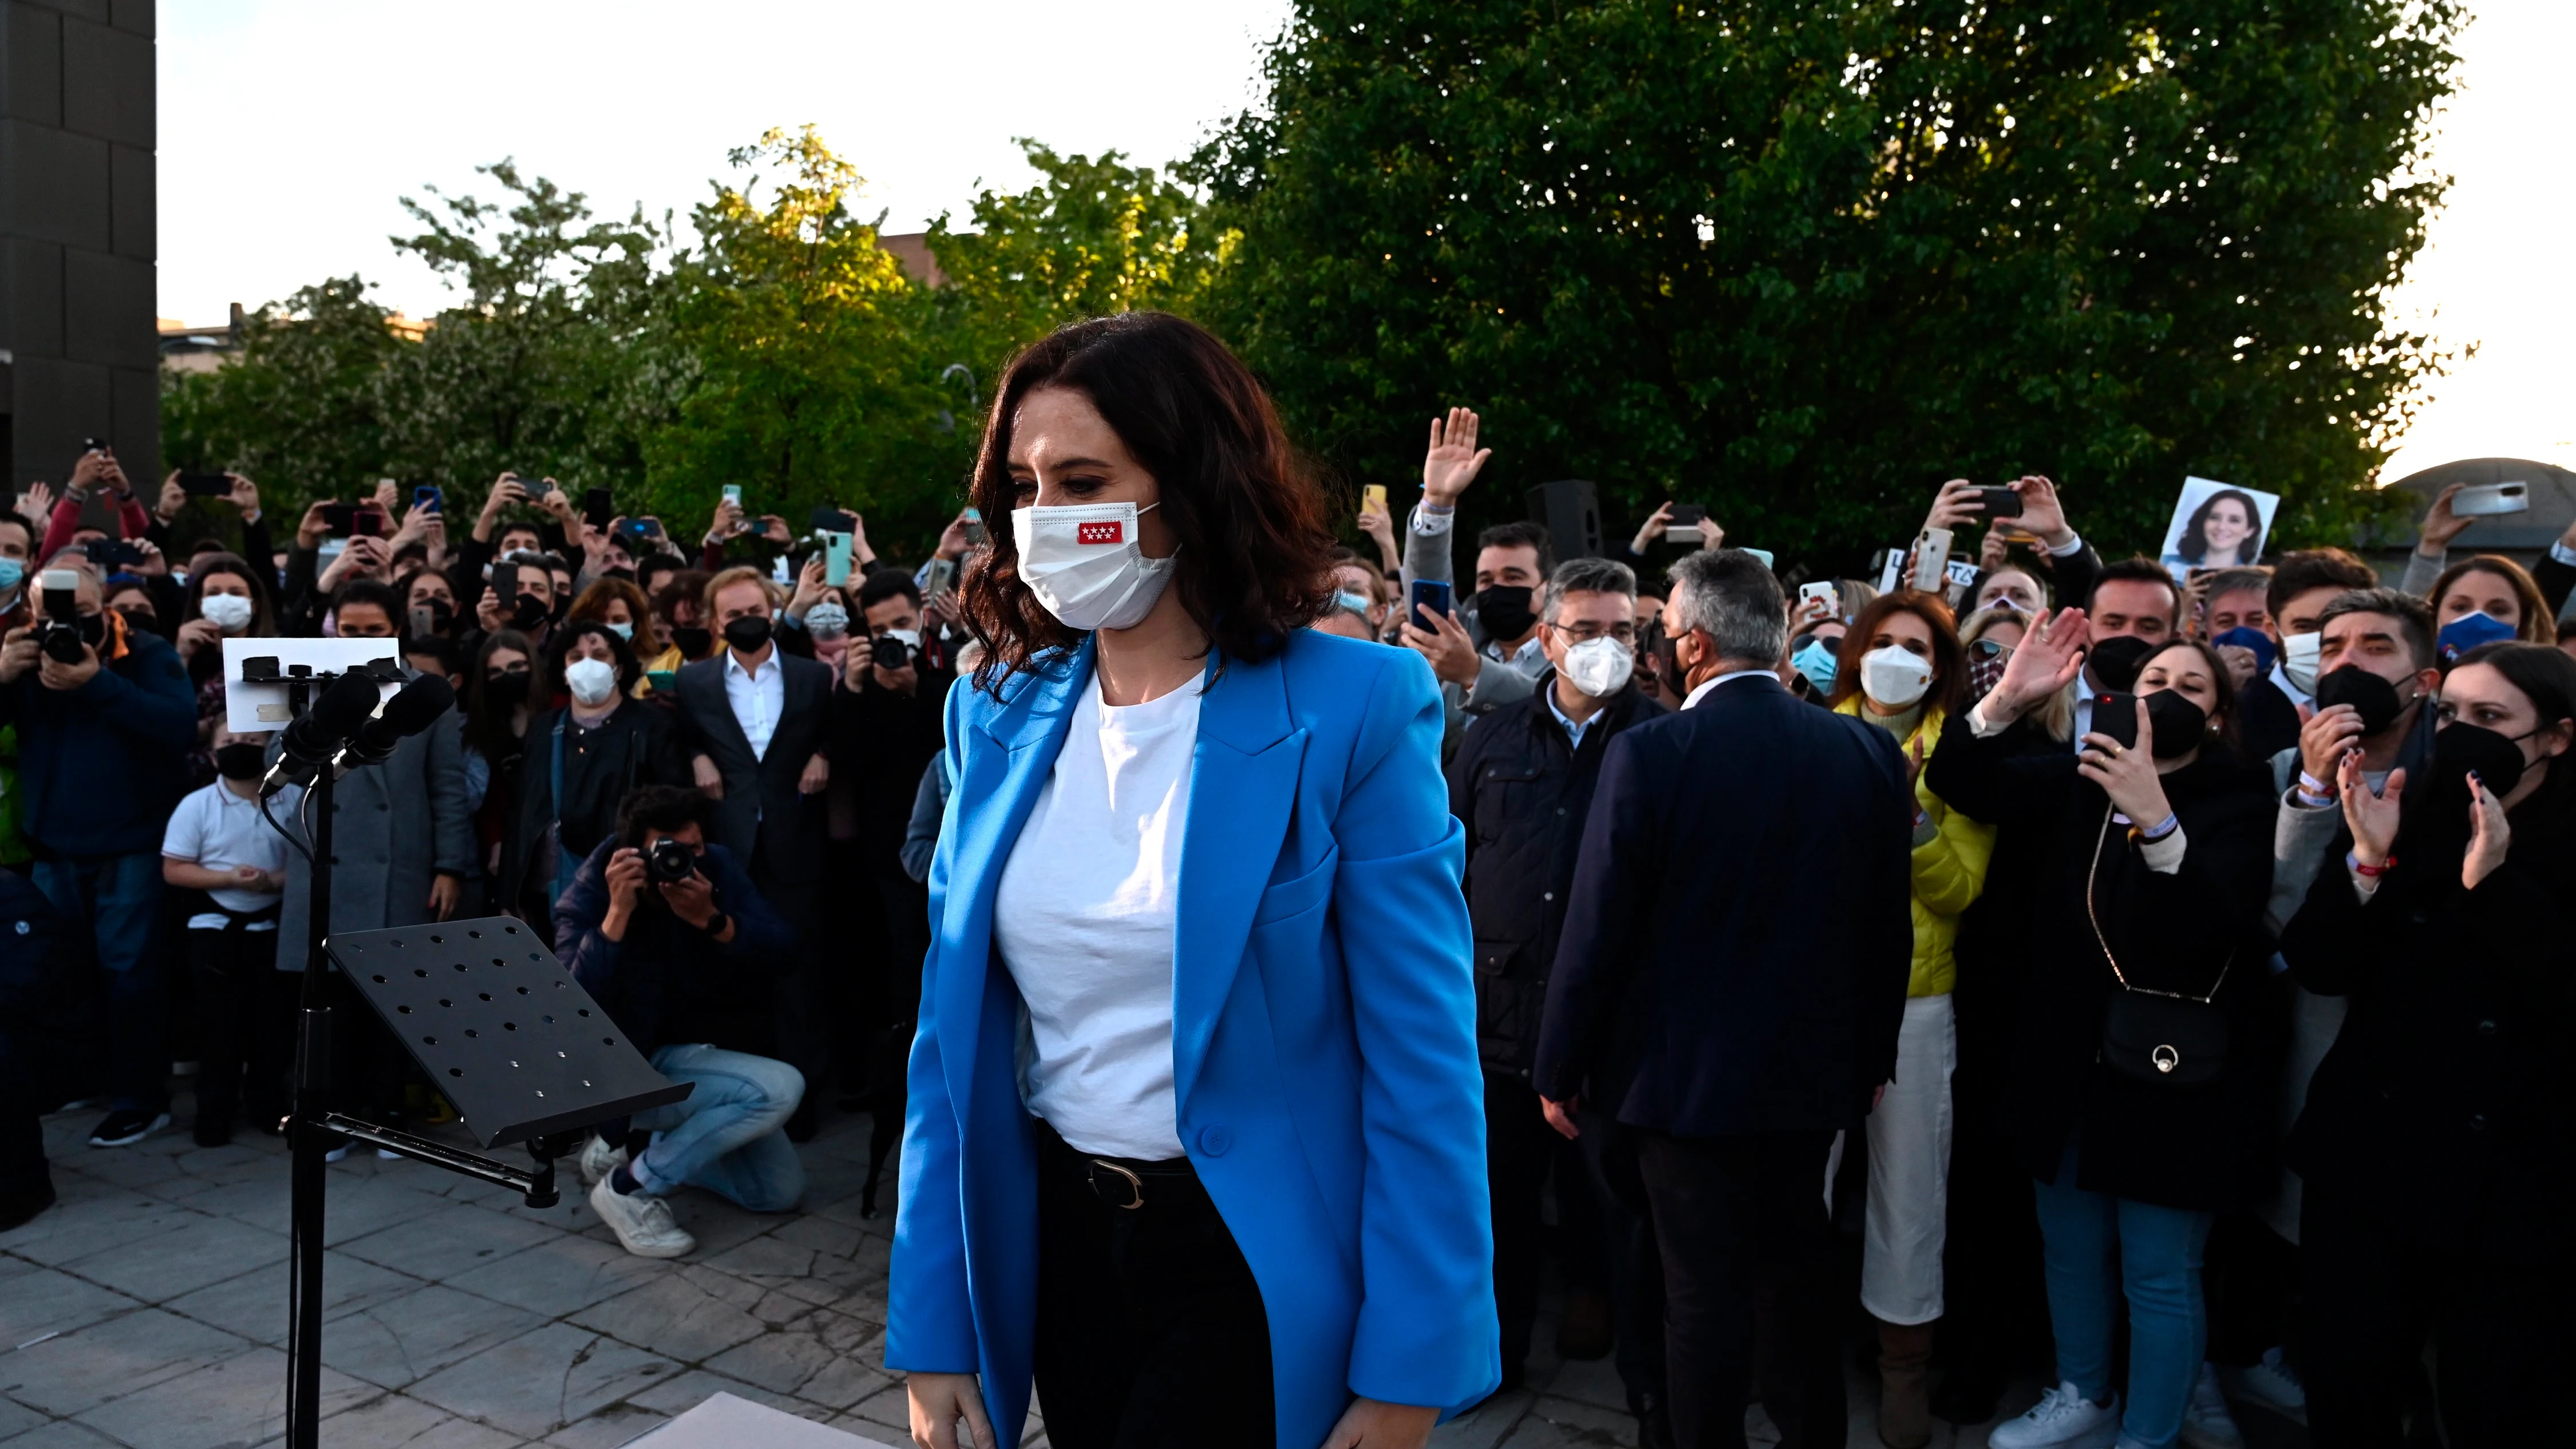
[2099, 1247]
[116, 900]
[725, 1135]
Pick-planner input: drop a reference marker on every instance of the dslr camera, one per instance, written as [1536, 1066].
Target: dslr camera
[893, 649]
[61, 635]
[669, 862]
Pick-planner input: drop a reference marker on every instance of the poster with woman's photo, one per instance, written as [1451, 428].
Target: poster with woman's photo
[2217, 526]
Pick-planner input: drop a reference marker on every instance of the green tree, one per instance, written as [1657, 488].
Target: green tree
[807, 381]
[302, 410]
[1800, 262]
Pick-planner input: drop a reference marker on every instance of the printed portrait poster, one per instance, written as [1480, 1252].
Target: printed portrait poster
[2217, 526]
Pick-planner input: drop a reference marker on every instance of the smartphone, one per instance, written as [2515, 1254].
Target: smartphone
[1373, 498]
[827, 519]
[836, 559]
[2115, 715]
[1931, 559]
[597, 507]
[640, 530]
[423, 622]
[2491, 499]
[109, 553]
[733, 494]
[1810, 593]
[1684, 526]
[975, 535]
[1763, 554]
[1430, 596]
[662, 680]
[943, 575]
[206, 485]
[505, 585]
[366, 521]
[428, 498]
[340, 518]
[2000, 502]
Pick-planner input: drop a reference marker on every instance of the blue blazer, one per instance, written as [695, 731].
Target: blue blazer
[1323, 1045]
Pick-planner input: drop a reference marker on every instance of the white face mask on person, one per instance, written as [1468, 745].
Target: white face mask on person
[1599, 667]
[230, 612]
[2299, 659]
[1895, 678]
[591, 681]
[1085, 565]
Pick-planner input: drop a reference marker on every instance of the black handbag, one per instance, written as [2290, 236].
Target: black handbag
[2162, 1038]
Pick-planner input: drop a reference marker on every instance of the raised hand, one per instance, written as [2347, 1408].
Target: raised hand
[1453, 460]
[2372, 818]
[2042, 513]
[2441, 525]
[1652, 529]
[2490, 834]
[1957, 503]
[2047, 660]
[36, 505]
[2127, 773]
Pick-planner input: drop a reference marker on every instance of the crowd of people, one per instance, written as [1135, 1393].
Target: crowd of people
[2146, 963]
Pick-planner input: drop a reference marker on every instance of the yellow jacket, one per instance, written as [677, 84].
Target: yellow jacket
[1951, 852]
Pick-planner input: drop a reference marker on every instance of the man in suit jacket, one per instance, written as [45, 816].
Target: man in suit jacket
[757, 723]
[1700, 996]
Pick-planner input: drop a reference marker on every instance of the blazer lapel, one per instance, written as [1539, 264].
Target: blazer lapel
[999, 786]
[717, 707]
[1243, 793]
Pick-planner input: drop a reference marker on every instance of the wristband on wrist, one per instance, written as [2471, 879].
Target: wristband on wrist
[2167, 826]
[2315, 786]
[2352, 859]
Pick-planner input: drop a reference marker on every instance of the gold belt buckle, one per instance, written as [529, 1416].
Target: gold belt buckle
[1135, 1184]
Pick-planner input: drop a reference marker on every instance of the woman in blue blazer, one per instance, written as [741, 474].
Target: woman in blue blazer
[1195, 1137]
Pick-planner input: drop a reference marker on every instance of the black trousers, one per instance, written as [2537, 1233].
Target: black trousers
[1150, 1329]
[1741, 1219]
[238, 1020]
[1521, 1150]
[2501, 1333]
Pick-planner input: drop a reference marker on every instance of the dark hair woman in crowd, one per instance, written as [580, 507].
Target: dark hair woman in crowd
[226, 599]
[2433, 1151]
[581, 759]
[427, 589]
[622, 607]
[2224, 532]
[1202, 871]
[2140, 1086]
[2498, 588]
[499, 693]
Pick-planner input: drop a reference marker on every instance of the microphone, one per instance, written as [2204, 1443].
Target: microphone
[418, 706]
[310, 742]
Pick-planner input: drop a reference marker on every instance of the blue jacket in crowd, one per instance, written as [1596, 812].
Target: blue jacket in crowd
[103, 765]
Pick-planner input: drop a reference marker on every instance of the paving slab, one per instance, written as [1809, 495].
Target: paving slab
[254, 1304]
[690, 1313]
[565, 1273]
[544, 1381]
[241, 1400]
[186, 1254]
[80, 1371]
[399, 1341]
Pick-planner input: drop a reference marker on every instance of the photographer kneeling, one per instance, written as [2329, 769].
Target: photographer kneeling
[667, 931]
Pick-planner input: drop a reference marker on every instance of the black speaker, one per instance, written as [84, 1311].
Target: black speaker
[1571, 514]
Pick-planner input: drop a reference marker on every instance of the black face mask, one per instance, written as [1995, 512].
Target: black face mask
[2371, 697]
[2116, 661]
[507, 691]
[528, 613]
[442, 615]
[693, 643]
[239, 761]
[2178, 723]
[1504, 611]
[2461, 748]
[562, 606]
[748, 633]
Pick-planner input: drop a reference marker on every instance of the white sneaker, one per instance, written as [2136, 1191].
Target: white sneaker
[642, 1222]
[2206, 1424]
[2275, 1384]
[599, 1159]
[336, 1153]
[2062, 1419]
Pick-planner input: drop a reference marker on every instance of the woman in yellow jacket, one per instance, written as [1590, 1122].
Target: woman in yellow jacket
[1904, 670]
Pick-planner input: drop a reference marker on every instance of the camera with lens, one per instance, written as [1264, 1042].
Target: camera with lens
[61, 634]
[890, 651]
[670, 861]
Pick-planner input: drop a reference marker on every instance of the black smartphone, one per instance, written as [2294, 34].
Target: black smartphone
[641, 528]
[366, 521]
[1430, 596]
[597, 508]
[340, 518]
[2000, 502]
[505, 585]
[110, 553]
[427, 498]
[2115, 716]
[1684, 524]
[834, 520]
[206, 485]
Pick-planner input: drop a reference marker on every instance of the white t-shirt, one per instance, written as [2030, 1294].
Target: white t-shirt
[221, 831]
[1084, 917]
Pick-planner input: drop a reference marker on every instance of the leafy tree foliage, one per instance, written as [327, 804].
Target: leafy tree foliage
[1800, 262]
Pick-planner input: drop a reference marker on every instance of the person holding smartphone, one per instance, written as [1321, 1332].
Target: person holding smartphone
[2160, 849]
[1201, 870]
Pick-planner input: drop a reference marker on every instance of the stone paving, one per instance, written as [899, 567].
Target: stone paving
[149, 1309]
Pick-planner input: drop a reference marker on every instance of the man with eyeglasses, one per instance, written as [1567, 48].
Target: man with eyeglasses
[1521, 783]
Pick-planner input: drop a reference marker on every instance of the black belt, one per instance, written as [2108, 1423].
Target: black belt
[1125, 1182]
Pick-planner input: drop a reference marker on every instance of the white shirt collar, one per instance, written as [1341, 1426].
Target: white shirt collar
[733, 663]
[1700, 693]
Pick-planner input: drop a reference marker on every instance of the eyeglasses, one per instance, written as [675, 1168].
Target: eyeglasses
[1587, 632]
[1990, 649]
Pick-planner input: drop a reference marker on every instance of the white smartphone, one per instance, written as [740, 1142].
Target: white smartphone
[733, 494]
[1810, 593]
[1931, 559]
[2491, 499]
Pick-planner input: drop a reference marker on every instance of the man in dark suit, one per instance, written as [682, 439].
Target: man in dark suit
[1700, 997]
[757, 722]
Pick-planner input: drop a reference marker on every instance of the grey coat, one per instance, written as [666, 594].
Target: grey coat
[395, 828]
[1430, 556]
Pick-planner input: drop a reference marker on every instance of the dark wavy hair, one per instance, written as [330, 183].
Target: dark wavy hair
[2546, 677]
[1254, 524]
[2193, 546]
[1949, 657]
[549, 681]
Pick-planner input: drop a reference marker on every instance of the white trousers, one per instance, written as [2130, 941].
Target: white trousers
[1909, 1170]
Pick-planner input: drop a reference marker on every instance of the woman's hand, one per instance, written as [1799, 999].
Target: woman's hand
[1652, 529]
[1956, 504]
[2127, 773]
[2490, 834]
[245, 496]
[506, 490]
[1378, 524]
[199, 633]
[728, 525]
[173, 498]
[938, 1401]
[952, 539]
[2441, 525]
[1453, 460]
[36, 505]
[2372, 818]
[2046, 661]
[1371, 1424]
[809, 588]
[315, 527]
[2042, 515]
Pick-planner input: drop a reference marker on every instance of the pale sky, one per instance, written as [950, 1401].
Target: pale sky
[289, 127]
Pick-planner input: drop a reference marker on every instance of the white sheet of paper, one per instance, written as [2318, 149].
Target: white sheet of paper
[252, 707]
[726, 1422]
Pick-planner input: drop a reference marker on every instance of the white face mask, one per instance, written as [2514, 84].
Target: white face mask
[827, 621]
[1084, 563]
[1599, 667]
[1894, 677]
[2299, 659]
[231, 612]
[591, 681]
